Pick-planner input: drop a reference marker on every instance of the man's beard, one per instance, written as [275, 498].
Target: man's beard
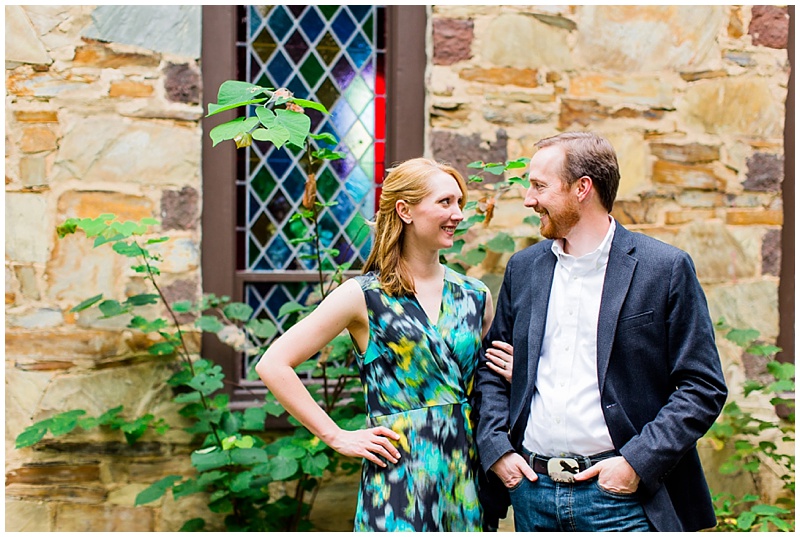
[561, 223]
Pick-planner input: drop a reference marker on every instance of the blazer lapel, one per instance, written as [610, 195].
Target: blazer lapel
[541, 281]
[619, 273]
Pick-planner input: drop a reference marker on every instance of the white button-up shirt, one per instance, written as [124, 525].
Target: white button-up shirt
[566, 413]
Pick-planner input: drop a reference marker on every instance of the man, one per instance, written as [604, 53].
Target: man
[615, 371]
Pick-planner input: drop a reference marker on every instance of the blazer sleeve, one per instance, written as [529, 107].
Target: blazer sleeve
[696, 374]
[493, 392]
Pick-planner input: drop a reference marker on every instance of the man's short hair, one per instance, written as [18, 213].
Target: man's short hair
[586, 153]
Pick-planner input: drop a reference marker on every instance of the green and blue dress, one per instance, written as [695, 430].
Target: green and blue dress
[417, 379]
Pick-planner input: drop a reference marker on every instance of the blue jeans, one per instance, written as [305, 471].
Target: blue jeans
[545, 505]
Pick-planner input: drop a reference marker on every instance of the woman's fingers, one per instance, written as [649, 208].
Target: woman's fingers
[505, 347]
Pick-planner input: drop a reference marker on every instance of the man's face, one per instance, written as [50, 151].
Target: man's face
[555, 202]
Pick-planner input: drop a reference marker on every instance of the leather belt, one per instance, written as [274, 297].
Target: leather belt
[563, 469]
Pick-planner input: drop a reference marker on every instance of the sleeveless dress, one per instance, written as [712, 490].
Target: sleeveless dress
[417, 378]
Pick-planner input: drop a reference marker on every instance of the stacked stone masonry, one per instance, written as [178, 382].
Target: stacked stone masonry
[104, 115]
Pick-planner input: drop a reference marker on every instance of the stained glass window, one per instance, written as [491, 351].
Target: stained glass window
[334, 55]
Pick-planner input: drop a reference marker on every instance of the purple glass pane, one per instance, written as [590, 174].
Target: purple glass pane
[296, 47]
[343, 73]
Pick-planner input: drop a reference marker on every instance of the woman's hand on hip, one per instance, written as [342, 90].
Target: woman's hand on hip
[367, 443]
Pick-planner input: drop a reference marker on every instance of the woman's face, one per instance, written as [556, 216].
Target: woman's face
[434, 219]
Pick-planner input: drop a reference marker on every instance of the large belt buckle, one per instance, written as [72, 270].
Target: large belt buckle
[562, 470]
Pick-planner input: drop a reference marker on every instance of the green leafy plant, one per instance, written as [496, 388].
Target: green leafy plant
[753, 440]
[236, 464]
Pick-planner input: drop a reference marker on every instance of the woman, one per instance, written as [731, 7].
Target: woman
[417, 328]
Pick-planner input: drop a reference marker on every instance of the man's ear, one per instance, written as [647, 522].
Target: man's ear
[583, 187]
[402, 208]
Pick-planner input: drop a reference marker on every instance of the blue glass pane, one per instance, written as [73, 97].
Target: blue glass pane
[344, 208]
[255, 21]
[277, 299]
[279, 160]
[278, 252]
[359, 12]
[252, 297]
[297, 87]
[253, 207]
[328, 229]
[312, 24]
[359, 50]
[343, 26]
[263, 264]
[365, 249]
[343, 117]
[358, 184]
[279, 69]
[279, 22]
[295, 184]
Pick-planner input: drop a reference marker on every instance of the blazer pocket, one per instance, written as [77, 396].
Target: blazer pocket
[635, 321]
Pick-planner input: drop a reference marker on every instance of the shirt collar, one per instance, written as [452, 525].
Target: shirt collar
[595, 259]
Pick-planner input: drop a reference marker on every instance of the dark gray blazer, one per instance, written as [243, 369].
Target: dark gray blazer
[661, 383]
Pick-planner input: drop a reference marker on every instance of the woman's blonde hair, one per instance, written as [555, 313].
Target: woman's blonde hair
[408, 181]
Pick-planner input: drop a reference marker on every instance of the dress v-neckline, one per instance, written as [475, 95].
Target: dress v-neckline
[434, 322]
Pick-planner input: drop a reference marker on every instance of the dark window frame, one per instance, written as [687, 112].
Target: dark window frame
[406, 60]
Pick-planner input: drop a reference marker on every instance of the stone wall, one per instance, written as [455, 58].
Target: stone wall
[693, 100]
[102, 116]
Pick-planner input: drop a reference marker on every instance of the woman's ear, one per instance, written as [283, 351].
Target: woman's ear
[402, 208]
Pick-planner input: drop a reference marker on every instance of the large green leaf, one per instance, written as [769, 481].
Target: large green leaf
[30, 436]
[298, 125]
[111, 308]
[194, 524]
[283, 468]
[190, 486]
[232, 129]
[254, 418]
[209, 323]
[248, 456]
[162, 348]
[310, 104]
[262, 328]
[235, 93]
[142, 299]
[502, 242]
[89, 302]
[156, 490]
[210, 460]
[743, 338]
[238, 311]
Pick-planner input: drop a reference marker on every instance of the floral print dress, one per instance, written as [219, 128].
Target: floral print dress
[417, 378]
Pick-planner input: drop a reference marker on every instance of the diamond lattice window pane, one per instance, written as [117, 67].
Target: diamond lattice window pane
[325, 54]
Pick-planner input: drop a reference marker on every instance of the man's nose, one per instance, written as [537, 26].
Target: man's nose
[530, 198]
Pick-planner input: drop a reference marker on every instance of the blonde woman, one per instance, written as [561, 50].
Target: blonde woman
[417, 327]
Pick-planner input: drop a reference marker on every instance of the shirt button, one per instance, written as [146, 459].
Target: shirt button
[558, 420]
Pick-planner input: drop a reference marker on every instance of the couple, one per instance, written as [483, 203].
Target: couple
[615, 371]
